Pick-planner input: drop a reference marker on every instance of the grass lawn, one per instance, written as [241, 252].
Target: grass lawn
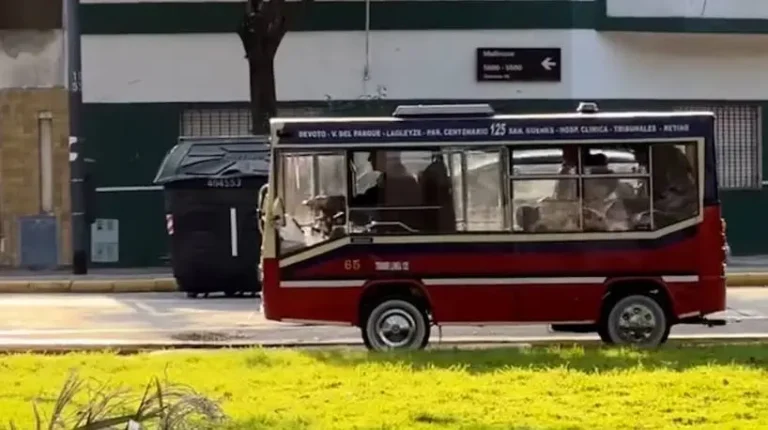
[715, 387]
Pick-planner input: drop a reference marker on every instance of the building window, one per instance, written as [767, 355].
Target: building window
[738, 144]
[229, 121]
[215, 122]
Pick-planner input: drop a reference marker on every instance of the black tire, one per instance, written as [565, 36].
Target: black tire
[603, 333]
[648, 316]
[666, 335]
[405, 315]
[366, 340]
[425, 342]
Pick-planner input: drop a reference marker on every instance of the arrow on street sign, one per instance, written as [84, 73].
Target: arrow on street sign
[548, 64]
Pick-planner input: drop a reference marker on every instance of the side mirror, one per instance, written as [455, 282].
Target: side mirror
[262, 195]
[278, 220]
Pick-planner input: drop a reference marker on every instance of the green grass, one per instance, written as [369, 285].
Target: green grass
[715, 387]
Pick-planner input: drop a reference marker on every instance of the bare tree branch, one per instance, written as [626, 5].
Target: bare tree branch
[275, 12]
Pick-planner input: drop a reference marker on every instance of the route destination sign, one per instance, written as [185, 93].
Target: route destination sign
[490, 130]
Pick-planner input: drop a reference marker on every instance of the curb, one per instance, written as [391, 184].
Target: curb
[57, 346]
[168, 284]
[142, 285]
[747, 279]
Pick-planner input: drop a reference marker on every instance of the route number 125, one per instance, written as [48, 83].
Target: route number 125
[498, 129]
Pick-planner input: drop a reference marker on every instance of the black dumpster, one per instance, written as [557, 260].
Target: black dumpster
[211, 196]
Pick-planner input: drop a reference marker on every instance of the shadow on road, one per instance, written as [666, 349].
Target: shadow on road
[595, 359]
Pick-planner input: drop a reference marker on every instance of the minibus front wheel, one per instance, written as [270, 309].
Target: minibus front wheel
[396, 324]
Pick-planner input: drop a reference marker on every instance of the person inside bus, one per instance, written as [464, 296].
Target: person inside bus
[680, 194]
[439, 215]
[560, 211]
[603, 208]
[674, 186]
[597, 164]
[393, 196]
[566, 189]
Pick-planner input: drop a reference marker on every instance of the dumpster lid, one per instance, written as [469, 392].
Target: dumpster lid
[215, 157]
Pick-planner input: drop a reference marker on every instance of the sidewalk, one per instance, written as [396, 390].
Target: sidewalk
[140, 280]
[749, 271]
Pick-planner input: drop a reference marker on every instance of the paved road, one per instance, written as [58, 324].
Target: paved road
[737, 264]
[156, 317]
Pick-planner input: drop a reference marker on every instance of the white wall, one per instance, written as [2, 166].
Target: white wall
[31, 59]
[671, 66]
[425, 65]
[734, 9]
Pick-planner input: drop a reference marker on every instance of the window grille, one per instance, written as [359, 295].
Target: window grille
[738, 142]
[229, 121]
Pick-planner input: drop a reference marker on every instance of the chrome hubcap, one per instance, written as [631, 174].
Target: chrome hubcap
[395, 328]
[636, 323]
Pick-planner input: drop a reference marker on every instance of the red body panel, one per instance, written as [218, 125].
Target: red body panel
[699, 254]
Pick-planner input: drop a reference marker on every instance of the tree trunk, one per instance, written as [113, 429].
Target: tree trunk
[261, 32]
[263, 93]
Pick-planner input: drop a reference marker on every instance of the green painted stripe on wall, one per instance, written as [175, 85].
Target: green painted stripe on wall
[130, 140]
[218, 17]
[223, 17]
[685, 25]
[675, 24]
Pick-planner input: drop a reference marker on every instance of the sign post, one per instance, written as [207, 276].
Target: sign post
[77, 167]
[518, 64]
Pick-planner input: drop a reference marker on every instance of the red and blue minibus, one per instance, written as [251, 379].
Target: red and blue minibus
[455, 215]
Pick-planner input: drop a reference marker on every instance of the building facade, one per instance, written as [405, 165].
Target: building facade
[34, 165]
[154, 70]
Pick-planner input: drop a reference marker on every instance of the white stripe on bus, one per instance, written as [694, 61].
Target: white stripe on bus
[681, 279]
[513, 281]
[356, 283]
[341, 283]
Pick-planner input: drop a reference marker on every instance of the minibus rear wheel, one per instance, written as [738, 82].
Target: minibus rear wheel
[396, 323]
[636, 320]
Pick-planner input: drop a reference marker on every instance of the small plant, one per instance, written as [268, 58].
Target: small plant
[163, 405]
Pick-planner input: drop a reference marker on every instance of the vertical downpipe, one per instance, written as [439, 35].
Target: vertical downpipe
[367, 66]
